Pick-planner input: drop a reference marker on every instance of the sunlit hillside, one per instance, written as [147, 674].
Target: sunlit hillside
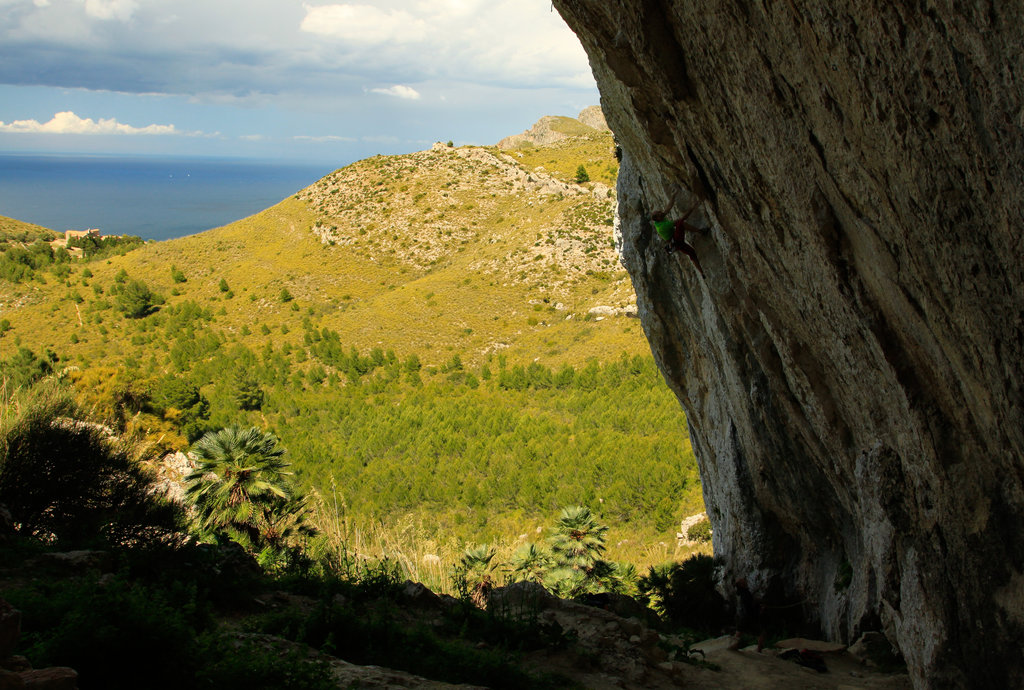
[437, 338]
[448, 250]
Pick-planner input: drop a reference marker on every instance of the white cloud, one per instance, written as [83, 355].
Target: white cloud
[501, 41]
[363, 24]
[328, 137]
[399, 91]
[68, 123]
[380, 139]
[122, 10]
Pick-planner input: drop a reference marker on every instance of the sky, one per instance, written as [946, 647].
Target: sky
[281, 79]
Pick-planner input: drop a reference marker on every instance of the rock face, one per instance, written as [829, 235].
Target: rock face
[851, 365]
[593, 117]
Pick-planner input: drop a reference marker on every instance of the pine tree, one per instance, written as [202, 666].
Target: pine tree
[247, 394]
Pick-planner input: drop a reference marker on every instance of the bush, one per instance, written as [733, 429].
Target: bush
[136, 300]
[247, 664]
[700, 532]
[150, 634]
[116, 635]
[685, 595]
[24, 368]
[179, 401]
[65, 482]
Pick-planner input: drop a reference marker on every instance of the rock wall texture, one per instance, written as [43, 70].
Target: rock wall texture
[851, 364]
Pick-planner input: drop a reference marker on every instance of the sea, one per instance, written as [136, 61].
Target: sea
[155, 198]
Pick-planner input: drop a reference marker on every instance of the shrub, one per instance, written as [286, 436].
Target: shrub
[119, 635]
[136, 300]
[64, 481]
[25, 368]
[247, 393]
[700, 532]
[180, 401]
[684, 594]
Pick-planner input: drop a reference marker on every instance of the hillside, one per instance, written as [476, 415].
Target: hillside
[453, 250]
[440, 334]
[12, 230]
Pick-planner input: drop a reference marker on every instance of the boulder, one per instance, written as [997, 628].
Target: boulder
[9, 680]
[521, 597]
[53, 678]
[873, 649]
[76, 562]
[418, 594]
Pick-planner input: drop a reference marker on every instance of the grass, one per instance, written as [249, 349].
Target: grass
[423, 553]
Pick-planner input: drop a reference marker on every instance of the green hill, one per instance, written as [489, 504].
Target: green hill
[17, 231]
[419, 328]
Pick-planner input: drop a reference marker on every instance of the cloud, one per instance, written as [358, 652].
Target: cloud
[201, 48]
[399, 91]
[122, 10]
[507, 42]
[327, 137]
[363, 24]
[67, 122]
[380, 139]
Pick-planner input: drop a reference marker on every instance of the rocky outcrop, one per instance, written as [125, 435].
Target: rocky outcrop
[593, 117]
[553, 128]
[851, 363]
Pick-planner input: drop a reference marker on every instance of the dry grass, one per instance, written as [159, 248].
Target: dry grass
[595, 151]
[415, 543]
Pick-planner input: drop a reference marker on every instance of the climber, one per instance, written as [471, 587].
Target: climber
[674, 232]
[749, 616]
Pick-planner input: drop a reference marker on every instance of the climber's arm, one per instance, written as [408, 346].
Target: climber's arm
[658, 215]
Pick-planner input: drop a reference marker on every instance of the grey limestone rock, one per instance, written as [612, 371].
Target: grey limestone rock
[851, 365]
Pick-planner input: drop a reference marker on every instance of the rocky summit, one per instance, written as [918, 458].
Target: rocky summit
[850, 359]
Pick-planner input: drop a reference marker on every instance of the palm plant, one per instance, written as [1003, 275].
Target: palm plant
[240, 484]
[283, 529]
[530, 562]
[475, 574]
[578, 539]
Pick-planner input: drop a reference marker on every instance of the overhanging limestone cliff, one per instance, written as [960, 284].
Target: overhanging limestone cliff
[852, 363]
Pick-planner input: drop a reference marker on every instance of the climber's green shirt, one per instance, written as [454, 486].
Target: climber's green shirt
[665, 228]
